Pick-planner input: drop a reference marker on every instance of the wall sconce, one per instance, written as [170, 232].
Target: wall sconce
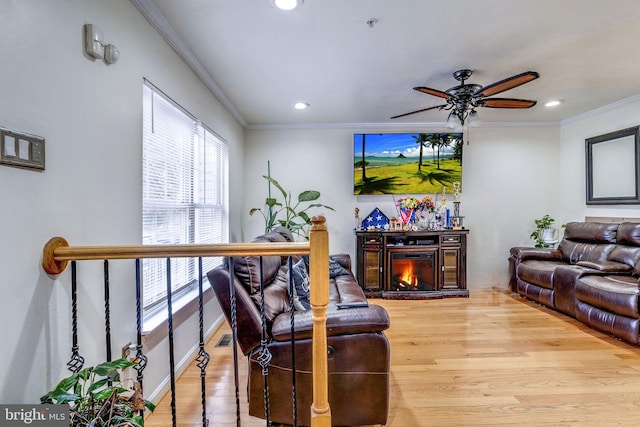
[95, 47]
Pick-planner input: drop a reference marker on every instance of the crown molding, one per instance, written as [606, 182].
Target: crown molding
[158, 21]
[155, 17]
[617, 104]
[395, 126]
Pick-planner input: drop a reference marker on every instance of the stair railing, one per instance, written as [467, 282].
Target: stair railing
[57, 254]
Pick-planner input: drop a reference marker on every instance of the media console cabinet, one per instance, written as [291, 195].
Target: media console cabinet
[412, 264]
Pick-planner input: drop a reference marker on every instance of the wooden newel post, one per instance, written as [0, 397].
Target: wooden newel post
[319, 270]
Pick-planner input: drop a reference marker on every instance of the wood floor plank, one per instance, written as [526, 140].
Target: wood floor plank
[493, 359]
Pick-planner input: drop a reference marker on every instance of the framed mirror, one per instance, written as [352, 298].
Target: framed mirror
[613, 171]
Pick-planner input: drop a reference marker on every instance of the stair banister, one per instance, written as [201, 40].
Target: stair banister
[57, 253]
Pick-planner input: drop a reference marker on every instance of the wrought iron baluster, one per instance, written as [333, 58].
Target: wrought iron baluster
[234, 335]
[107, 311]
[293, 344]
[203, 356]
[264, 355]
[77, 361]
[141, 358]
[171, 350]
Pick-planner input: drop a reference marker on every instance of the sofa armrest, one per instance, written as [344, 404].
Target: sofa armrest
[607, 266]
[359, 320]
[522, 253]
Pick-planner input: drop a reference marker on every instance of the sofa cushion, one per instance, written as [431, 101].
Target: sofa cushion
[370, 319]
[247, 268]
[628, 248]
[587, 241]
[276, 300]
[628, 234]
[335, 269]
[606, 266]
[574, 252]
[301, 283]
[616, 294]
[301, 279]
[538, 272]
[347, 291]
[591, 232]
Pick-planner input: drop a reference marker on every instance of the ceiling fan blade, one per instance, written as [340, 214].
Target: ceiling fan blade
[508, 83]
[420, 111]
[507, 103]
[434, 92]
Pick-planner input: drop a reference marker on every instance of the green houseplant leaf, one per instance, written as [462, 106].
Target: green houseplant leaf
[97, 397]
[294, 217]
[308, 196]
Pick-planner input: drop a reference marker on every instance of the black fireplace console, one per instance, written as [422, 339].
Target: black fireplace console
[412, 264]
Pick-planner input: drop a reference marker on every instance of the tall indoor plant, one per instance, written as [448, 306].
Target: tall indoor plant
[287, 213]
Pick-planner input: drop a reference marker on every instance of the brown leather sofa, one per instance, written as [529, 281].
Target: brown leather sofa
[358, 350]
[592, 276]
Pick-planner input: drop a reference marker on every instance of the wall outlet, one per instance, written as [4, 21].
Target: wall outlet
[127, 350]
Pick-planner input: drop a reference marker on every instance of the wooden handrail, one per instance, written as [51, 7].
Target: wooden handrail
[57, 253]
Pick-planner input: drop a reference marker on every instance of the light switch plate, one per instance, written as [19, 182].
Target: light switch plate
[21, 149]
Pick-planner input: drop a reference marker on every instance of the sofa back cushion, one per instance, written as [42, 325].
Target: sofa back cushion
[628, 248]
[591, 232]
[587, 241]
[247, 268]
[628, 234]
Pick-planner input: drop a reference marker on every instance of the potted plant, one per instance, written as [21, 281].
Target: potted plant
[285, 213]
[98, 398]
[544, 235]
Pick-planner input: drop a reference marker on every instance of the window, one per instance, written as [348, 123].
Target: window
[184, 201]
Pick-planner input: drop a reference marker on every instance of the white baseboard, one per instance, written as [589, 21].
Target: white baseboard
[183, 364]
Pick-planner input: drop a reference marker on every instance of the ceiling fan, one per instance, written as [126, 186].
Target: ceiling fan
[462, 100]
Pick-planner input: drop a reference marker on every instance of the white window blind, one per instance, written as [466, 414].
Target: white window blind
[184, 167]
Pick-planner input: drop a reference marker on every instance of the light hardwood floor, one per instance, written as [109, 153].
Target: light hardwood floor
[493, 359]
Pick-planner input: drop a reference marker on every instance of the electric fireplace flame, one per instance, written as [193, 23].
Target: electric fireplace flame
[412, 271]
[408, 278]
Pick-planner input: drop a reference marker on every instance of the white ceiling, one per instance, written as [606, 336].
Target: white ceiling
[259, 60]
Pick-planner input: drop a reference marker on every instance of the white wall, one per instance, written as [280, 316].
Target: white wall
[90, 193]
[509, 178]
[573, 176]
[511, 175]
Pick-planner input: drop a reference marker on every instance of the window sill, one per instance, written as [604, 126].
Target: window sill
[155, 327]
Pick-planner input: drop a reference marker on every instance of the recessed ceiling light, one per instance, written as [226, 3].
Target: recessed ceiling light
[552, 103]
[301, 105]
[287, 4]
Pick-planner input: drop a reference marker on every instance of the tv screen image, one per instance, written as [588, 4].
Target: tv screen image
[406, 163]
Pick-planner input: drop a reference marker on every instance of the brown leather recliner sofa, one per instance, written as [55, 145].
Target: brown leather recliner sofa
[358, 350]
[593, 275]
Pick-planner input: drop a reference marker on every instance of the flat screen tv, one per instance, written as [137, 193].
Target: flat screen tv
[406, 163]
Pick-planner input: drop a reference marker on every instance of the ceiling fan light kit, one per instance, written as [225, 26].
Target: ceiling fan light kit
[463, 99]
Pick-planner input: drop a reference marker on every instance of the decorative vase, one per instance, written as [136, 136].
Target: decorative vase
[550, 236]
